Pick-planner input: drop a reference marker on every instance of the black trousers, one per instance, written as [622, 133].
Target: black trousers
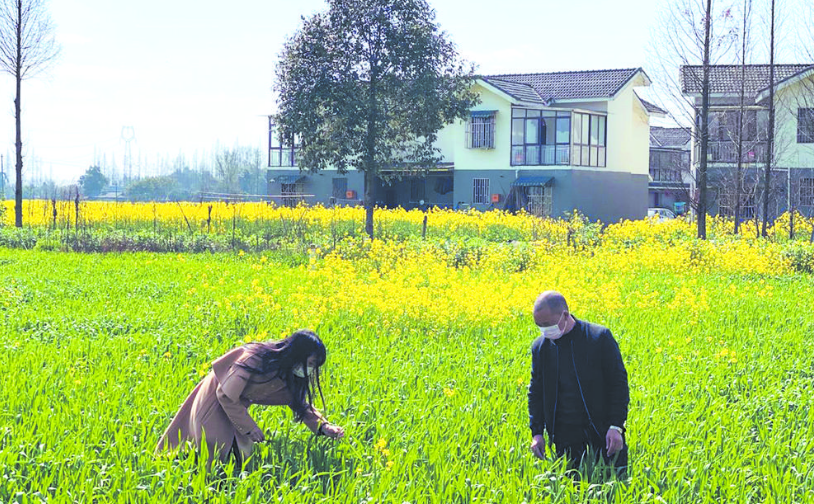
[573, 441]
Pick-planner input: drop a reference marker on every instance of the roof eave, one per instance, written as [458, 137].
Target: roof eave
[713, 95]
[506, 95]
[581, 100]
[788, 81]
[627, 81]
[660, 112]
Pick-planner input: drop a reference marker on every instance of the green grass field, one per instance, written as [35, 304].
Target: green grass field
[427, 371]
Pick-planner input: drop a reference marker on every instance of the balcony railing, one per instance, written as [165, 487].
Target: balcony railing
[665, 175]
[541, 155]
[727, 152]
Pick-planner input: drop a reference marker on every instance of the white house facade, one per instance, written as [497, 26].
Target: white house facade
[793, 164]
[546, 142]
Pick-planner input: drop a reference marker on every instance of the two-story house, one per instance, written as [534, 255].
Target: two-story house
[670, 176]
[546, 142]
[793, 165]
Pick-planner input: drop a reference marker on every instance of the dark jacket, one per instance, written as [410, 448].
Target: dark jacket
[600, 372]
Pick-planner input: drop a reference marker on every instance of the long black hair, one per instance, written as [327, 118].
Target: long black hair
[278, 360]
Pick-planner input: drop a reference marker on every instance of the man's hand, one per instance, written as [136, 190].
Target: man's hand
[613, 442]
[257, 435]
[538, 446]
[333, 431]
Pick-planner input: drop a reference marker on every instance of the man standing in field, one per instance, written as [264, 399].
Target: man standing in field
[578, 392]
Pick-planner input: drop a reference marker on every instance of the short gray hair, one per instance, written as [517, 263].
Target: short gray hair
[553, 301]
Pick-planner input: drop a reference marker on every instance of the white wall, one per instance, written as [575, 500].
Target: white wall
[628, 140]
[789, 99]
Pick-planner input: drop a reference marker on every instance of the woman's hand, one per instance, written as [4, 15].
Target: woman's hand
[332, 431]
[257, 435]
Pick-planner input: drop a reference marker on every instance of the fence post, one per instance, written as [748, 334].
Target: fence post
[234, 223]
[76, 204]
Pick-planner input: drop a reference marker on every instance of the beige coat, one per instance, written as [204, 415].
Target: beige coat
[219, 407]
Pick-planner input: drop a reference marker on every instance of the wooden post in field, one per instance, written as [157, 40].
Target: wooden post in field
[424, 228]
[234, 223]
[76, 204]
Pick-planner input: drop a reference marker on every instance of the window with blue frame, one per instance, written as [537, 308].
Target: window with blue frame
[540, 137]
[282, 153]
[589, 135]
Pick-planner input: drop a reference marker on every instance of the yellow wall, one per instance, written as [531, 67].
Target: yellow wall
[453, 144]
[628, 132]
[446, 141]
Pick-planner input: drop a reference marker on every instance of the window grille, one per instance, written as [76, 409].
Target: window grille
[480, 191]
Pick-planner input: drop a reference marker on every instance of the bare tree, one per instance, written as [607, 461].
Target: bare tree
[738, 128]
[27, 47]
[767, 174]
[693, 35]
[747, 11]
[228, 165]
[240, 170]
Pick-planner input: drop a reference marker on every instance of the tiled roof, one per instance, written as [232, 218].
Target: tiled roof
[554, 86]
[519, 91]
[726, 79]
[651, 108]
[668, 137]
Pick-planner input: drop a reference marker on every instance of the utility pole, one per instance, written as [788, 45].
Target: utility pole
[128, 135]
[2, 180]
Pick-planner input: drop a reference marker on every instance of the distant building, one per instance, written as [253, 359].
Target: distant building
[547, 142]
[793, 172]
[670, 177]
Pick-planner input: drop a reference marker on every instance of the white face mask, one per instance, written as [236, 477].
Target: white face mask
[552, 332]
[298, 372]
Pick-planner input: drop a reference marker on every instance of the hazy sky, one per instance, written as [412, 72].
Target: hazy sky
[189, 75]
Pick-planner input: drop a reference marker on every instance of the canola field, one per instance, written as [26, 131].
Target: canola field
[428, 359]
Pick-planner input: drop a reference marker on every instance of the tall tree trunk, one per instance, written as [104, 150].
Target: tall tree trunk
[370, 156]
[767, 176]
[18, 144]
[791, 205]
[370, 179]
[702, 169]
[739, 170]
